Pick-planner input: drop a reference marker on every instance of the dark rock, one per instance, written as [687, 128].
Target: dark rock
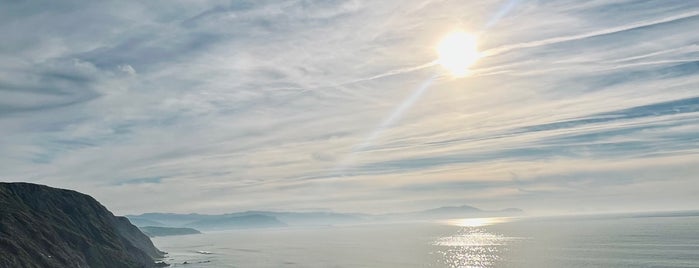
[47, 227]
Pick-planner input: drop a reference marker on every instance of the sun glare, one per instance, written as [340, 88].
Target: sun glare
[457, 52]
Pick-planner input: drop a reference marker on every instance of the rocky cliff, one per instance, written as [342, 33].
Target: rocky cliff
[42, 226]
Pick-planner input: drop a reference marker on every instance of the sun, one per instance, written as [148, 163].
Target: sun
[457, 52]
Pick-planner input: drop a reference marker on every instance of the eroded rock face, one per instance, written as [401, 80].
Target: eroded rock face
[42, 226]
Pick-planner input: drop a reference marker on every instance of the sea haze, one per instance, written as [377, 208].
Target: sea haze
[349, 133]
[639, 240]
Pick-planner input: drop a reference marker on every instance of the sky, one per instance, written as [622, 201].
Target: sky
[300, 105]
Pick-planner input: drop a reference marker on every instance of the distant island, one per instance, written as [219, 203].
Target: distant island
[205, 222]
[46, 227]
[154, 231]
[271, 219]
[461, 211]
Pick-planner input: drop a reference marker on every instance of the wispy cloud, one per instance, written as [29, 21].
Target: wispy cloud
[215, 106]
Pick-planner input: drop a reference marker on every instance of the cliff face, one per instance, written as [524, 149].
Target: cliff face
[42, 226]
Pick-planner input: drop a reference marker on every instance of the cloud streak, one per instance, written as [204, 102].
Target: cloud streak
[218, 106]
[613, 30]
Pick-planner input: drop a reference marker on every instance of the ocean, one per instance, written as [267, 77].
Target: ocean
[593, 241]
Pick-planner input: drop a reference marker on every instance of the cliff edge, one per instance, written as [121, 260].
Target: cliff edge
[41, 226]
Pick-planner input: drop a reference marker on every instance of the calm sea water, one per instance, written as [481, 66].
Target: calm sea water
[571, 242]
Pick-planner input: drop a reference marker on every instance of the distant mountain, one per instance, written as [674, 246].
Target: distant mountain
[146, 222]
[42, 226]
[167, 219]
[451, 210]
[207, 222]
[226, 222]
[154, 231]
[461, 212]
[264, 219]
[247, 219]
[307, 218]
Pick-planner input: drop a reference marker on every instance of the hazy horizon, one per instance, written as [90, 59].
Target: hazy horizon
[523, 215]
[224, 106]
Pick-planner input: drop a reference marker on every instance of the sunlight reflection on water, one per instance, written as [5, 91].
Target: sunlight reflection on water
[472, 246]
